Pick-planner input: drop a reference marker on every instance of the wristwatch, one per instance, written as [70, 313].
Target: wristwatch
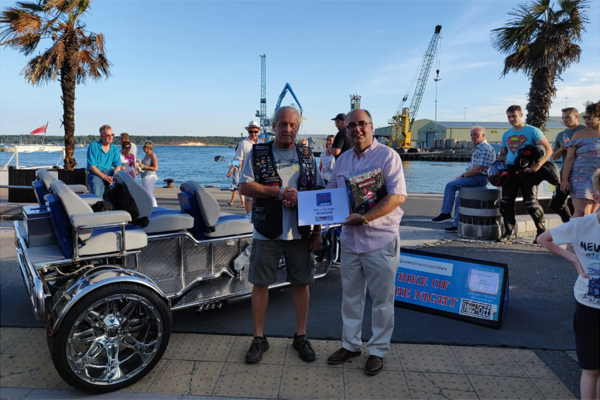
[280, 198]
[364, 220]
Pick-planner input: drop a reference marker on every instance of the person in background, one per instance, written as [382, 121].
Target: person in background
[273, 174]
[583, 234]
[102, 157]
[241, 153]
[370, 245]
[570, 118]
[526, 180]
[583, 158]
[327, 159]
[342, 142]
[303, 142]
[148, 166]
[234, 174]
[475, 176]
[127, 159]
[125, 138]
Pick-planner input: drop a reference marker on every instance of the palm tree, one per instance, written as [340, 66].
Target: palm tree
[73, 56]
[541, 41]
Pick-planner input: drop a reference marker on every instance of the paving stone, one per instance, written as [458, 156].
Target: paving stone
[323, 348]
[384, 385]
[44, 378]
[447, 394]
[275, 354]
[175, 378]
[301, 382]
[500, 387]
[249, 380]
[391, 361]
[144, 384]
[204, 347]
[174, 341]
[428, 358]
[553, 389]
[17, 368]
[205, 377]
[486, 361]
[532, 365]
[437, 382]
[25, 342]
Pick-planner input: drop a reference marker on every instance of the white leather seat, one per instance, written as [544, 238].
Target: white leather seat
[47, 178]
[216, 224]
[102, 240]
[161, 219]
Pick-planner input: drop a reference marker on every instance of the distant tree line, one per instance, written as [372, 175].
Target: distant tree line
[139, 140]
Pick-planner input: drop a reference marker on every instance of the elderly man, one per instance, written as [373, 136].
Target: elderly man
[102, 157]
[370, 245]
[342, 142]
[475, 176]
[526, 180]
[241, 153]
[570, 118]
[273, 173]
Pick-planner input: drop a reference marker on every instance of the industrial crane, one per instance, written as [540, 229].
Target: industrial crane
[402, 121]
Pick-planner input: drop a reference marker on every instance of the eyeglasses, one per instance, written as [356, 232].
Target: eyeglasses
[351, 126]
[128, 147]
[253, 131]
[587, 117]
[107, 136]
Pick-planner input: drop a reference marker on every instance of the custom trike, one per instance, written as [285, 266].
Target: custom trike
[105, 283]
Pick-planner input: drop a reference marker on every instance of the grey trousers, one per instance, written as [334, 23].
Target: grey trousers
[377, 271]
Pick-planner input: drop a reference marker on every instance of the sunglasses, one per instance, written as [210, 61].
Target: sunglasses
[587, 117]
[127, 147]
[109, 136]
[253, 131]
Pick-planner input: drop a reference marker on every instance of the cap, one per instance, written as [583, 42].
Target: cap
[253, 124]
[340, 116]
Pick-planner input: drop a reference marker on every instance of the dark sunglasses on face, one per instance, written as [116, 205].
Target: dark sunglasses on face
[128, 147]
[587, 117]
[253, 131]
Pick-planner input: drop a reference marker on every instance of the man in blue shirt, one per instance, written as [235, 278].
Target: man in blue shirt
[475, 176]
[570, 118]
[102, 156]
[524, 179]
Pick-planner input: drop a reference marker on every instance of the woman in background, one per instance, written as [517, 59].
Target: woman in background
[327, 159]
[583, 159]
[148, 166]
[128, 159]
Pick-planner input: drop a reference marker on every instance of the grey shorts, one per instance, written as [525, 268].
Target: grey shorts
[265, 256]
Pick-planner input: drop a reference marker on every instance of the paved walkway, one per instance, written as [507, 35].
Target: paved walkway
[213, 365]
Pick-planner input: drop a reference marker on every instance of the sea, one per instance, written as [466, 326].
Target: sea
[197, 163]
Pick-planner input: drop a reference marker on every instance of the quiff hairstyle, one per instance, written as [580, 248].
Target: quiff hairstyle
[125, 136]
[570, 110]
[103, 128]
[514, 108]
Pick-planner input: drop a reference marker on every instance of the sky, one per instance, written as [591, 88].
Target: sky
[193, 67]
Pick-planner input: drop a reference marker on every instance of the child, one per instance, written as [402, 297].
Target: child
[583, 234]
[234, 174]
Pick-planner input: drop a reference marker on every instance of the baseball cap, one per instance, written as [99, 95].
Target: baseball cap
[340, 116]
[253, 124]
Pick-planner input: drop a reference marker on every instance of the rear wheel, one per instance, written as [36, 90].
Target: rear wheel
[111, 338]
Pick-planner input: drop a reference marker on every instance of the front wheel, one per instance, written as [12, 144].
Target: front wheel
[111, 338]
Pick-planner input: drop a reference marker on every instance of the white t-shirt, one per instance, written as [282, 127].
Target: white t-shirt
[288, 169]
[584, 235]
[242, 150]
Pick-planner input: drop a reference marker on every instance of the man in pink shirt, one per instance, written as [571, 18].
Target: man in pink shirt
[370, 245]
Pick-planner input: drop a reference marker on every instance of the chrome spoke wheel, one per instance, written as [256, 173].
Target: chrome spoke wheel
[114, 339]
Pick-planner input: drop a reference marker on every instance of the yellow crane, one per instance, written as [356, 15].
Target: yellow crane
[404, 117]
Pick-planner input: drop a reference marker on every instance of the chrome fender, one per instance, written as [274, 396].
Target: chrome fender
[89, 281]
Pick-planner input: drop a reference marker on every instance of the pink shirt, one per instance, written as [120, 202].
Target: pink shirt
[379, 232]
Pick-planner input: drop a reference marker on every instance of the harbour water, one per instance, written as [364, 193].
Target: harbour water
[196, 163]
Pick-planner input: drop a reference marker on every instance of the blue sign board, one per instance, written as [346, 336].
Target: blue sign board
[461, 288]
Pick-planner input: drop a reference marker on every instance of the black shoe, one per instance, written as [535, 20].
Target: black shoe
[257, 348]
[305, 350]
[452, 229]
[442, 218]
[508, 237]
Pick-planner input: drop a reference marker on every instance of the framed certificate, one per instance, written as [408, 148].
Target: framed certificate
[322, 207]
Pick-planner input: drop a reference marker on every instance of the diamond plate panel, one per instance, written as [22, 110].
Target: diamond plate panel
[161, 258]
[224, 253]
[196, 257]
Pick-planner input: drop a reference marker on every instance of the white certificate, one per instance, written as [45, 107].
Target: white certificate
[322, 207]
[484, 282]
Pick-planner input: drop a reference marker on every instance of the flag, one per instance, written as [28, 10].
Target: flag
[41, 129]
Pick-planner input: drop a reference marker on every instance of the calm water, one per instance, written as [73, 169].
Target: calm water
[197, 164]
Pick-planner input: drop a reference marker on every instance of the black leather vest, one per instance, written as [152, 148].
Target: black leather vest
[267, 214]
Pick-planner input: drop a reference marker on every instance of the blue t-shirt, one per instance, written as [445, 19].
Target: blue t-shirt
[101, 160]
[512, 140]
